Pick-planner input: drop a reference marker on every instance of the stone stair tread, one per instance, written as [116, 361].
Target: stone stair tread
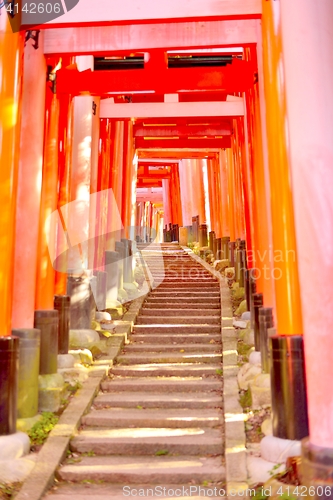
[139, 471]
[167, 384]
[120, 417]
[178, 320]
[151, 311]
[136, 358]
[199, 338]
[173, 369]
[136, 346]
[169, 305]
[174, 328]
[213, 293]
[144, 441]
[161, 398]
[136, 401]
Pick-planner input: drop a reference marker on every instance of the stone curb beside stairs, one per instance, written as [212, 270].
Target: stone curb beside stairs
[235, 450]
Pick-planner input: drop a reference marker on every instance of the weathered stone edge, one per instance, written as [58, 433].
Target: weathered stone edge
[55, 448]
[235, 449]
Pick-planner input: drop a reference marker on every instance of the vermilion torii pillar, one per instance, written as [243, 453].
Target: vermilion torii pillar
[11, 67]
[104, 165]
[29, 185]
[186, 191]
[66, 118]
[115, 186]
[166, 202]
[289, 400]
[288, 303]
[198, 190]
[49, 199]
[129, 178]
[231, 192]
[258, 195]
[223, 187]
[307, 35]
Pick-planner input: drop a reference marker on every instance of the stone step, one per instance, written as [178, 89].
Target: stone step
[167, 370]
[157, 304]
[165, 385]
[135, 347]
[190, 284]
[138, 471]
[181, 280]
[184, 272]
[168, 339]
[148, 311]
[153, 418]
[176, 329]
[173, 400]
[178, 320]
[148, 441]
[156, 293]
[146, 358]
[184, 302]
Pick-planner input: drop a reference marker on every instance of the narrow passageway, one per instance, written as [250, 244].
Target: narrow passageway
[158, 420]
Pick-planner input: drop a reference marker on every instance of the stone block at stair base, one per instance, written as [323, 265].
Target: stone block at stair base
[242, 309]
[16, 471]
[260, 389]
[230, 273]
[247, 335]
[100, 315]
[255, 358]
[65, 361]
[83, 338]
[267, 427]
[277, 450]
[82, 356]
[50, 391]
[131, 290]
[260, 470]
[247, 374]
[114, 308]
[122, 295]
[74, 375]
[221, 265]
[14, 446]
[25, 424]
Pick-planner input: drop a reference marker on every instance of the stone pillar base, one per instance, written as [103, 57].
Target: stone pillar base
[51, 388]
[14, 446]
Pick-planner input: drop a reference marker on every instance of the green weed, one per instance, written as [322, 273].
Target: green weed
[40, 431]
[245, 399]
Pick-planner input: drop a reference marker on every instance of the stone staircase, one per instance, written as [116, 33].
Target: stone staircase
[158, 419]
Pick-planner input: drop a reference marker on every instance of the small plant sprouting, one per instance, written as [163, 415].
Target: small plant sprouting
[160, 453]
[274, 469]
[245, 399]
[40, 431]
[73, 388]
[219, 371]
[90, 453]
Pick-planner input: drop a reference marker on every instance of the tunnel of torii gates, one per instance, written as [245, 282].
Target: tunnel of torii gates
[178, 109]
